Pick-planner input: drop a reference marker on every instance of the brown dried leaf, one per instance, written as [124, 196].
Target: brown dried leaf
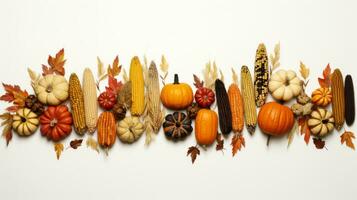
[76, 143]
[197, 82]
[58, 149]
[319, 143]
[56, 64]
[7, 123]
[124, 96]
[347, 137]
[93, 144]
[193, 152]
[220, 142]
[237, 143]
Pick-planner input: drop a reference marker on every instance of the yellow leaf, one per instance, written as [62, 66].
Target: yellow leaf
[58, 149]
[304, 71]
[347, 137]
[93, 144]
[164, 66]
[274, 58]
[34, 77]
[234, 76]
[125, 76]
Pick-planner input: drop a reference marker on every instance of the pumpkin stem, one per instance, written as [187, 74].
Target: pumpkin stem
[176, 79]
[268, 140]
[53, 122]
[23, 119]
[49, 89]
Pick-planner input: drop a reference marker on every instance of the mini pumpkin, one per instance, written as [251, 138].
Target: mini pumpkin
[321, 122]
[56, 123]
[285, 85]
[177, 125]
[25, 122]
[52, 89]
[130, 129]
[275, 119]
[176, 96]
[107, 100]
[206, 127]
[204, 97]
[321, 96]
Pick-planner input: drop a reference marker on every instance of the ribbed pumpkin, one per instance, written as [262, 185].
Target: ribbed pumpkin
[56, 122]
[275, 119]
[206, 126]
[176, 96]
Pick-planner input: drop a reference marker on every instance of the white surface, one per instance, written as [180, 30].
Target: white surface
[189, 33]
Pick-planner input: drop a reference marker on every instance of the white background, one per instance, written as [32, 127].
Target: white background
[189, 33]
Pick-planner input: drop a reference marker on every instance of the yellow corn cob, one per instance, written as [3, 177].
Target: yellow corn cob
[90, 100]
[77, 104]
[250, 111]
[338, 98]
[137, 87]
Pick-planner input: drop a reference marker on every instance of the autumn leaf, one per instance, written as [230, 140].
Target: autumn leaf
[58, 149]
[220, 142]
[304, 129]
[164, 65]
[56, 64]
[237, 143]
[14, 95]
[7, 124]
[319, 143]
[275, 58]
[35, 78]
[74, 144]
[325, 81]
[292, 133]
[193, 152]
[304, 71]
[197, 82]
[102, 74]
[347, 138]
[234, 76]
[125, 76]
[114, 85]
[115, 69]
[93, 144]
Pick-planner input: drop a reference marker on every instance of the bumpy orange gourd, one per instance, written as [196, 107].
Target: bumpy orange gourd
[206, 127]
[176, 96]
[106, 129]
[275, 119]
[321, 96]
[56, 122]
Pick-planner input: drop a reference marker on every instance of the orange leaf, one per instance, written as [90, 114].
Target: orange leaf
[115, 69]
[7, 124]
[114, 86]
[237, 143]
[56, 64]
[304, 129]
[347, 137]
[58, 147]
[325, 81]
[14, 95]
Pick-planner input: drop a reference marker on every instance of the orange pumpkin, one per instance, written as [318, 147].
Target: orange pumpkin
[275, 119]
[206, 126]
[56, 122]
[176, 96]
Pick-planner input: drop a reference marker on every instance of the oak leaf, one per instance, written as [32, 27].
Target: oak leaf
[14, 95]
[115, 69]
[114, 86]
[325, 81]
[193, 152]
[237, 143]
[74, 144]
[220, 142]
[319, 143]
[197, 82]
[347, 138]
[56, 64]
[58, 149]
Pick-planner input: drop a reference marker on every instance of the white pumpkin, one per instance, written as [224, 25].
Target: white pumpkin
[25, 122]
[321, 122]
[129, 129]
[285, 85]
[52, 89]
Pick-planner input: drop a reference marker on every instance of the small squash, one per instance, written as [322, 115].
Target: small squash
[176, 96]
[25, 122]
[130, 129]
[321, 97]
[321, 122]
[285, 85]
[204, 97]
[107, 100]
[52, 89]
[177, 125]
[206, 127]
[275, 119]
[56, 122]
